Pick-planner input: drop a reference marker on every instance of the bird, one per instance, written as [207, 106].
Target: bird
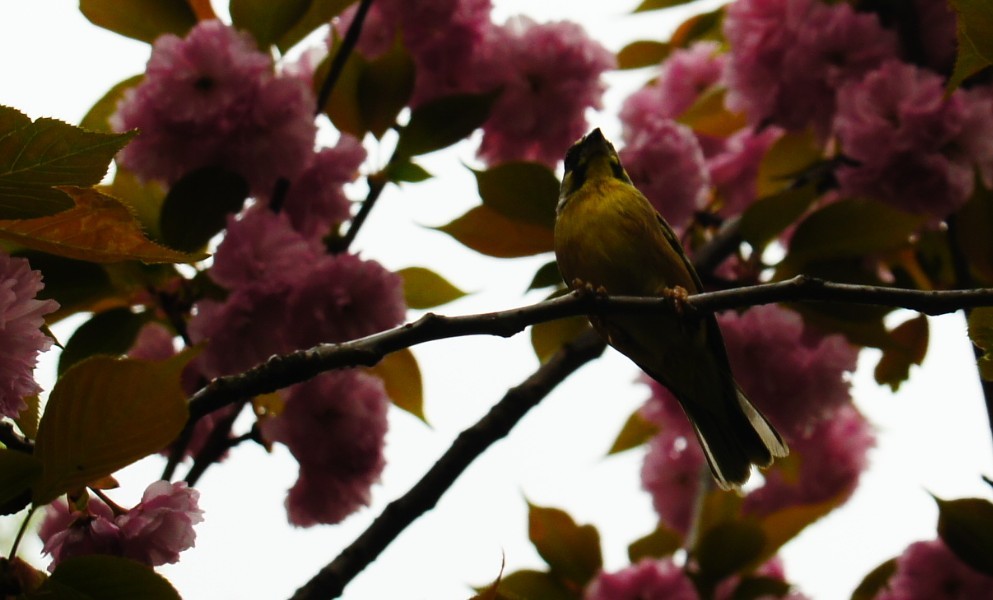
[610, 240]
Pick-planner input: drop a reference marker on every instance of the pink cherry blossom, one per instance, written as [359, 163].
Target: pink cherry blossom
[916, 148]
[734, 167]
[66, 533]
[647, 580]
[666, 163]
[831, 458]
[788, 57]
[930, 571]
[672, 473]
[156, 530]
[21, 318]
[335, 426]
[549, 74]
[153, 342]
[685, 74]
[212, 99]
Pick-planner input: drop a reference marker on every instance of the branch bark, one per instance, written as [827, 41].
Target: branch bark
[332, 579]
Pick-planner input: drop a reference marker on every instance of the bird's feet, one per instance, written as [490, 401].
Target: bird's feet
[679, 297]
[586, 289]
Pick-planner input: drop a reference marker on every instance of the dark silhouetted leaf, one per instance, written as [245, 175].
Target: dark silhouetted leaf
[975, 39]
[751, 587]
[981, 334]
[267, 21]
[533, 585]
[423, 288]
[97, 229]
[548, 338]
[440, 123]
[384, 87]
[642, 53]
[546, 276]
[522, 191]
[319, 13]
[487, 231]
[635, 432]
[18, 472]
[660, 543]
[704, 26]
[197, 206]
[974, 224]
[402, 378]
[765, 220]
[142, 20]
[342, 106]
[405, 170]
[572, 551]
[110, 332]
[97, 119]
[104, 577]
[105, 414]
[907, 347]
[37, 156]
[875, 581]
[727, 548]
[966, 527]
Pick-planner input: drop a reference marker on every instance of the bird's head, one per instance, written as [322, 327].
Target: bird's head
[590, 159]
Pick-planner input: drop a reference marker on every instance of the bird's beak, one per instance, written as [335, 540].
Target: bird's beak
[595, 144]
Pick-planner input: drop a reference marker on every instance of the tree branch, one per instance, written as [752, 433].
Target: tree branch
[287, 369]
[344, 51]
[331, 580]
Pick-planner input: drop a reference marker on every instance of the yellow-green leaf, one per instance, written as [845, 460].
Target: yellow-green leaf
[975, 39]
[522, 191]
[97, 119]
[785, 524]
[643, 53]
[423, 288]
[27, 420]
[647, 5]
[487, 231]
[266, 20]
[18, 472]
[142, 20]
[342, 106]
[981, 334]
[704, 26]
[402, 378]
[143, 198]
[658, 544]
[104, 414]
[98, 229]
[635, 432]
[709, 116]
[548, 338]
[35, 157]
[792, 153]
[907, 347]
[319, 13]
[572, 551]
[104, 577]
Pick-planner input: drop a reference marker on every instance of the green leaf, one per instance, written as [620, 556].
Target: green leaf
[423, 288]
[647, 5]
[533, 585]
[142, 20]
[572, 551]
[342, 106]
[848, 229]
[981, 334]
[660, 543]
[97, 229]
[635, 432]
[111, 332]
[97, 119]
[522, 191]
[27, 419]
[709, 116]
[875, 581]
[792, 153]
[907, 347]
[76, 285]
[547, 275]
[765, 220]
[197, 206]
[548, 338]
[399, 171]
[18, 472]
[267, 21]
[752, 587]
[144, 198]
[966, 527]
[974, 222]
[642, 53]
[105, 414]
[384, 87]
[98, 577]
[975, 39]
[488, 232]
[440, 123]
[36, 156]
[727, 548]
[319, 13]
[401, 377]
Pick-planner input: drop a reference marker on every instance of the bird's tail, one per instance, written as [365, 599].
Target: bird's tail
[735, 440]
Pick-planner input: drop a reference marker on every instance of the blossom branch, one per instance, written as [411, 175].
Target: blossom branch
[287, 369]
[344, 51]
[331, 580]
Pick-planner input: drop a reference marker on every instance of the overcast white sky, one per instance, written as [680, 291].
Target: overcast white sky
[933, 434]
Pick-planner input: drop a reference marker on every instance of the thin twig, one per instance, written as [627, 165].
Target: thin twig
[287, 369]
[472, 442]
[376, 186]
[217, 444]
[344, 51]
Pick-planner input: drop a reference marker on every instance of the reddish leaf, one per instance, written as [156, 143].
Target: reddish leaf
[908, 345]
[642, 53]
[487, 231]
[660, 543]
[635, 432]
[142, 20]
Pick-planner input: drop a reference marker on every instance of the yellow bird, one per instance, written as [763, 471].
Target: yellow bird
[608, 237]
